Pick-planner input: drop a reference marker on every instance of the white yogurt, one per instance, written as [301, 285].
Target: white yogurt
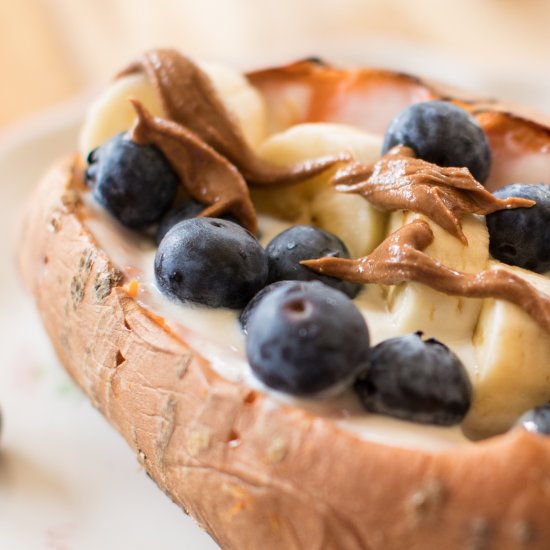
[226, 353]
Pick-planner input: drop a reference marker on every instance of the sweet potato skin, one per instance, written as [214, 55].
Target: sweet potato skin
[252, 472]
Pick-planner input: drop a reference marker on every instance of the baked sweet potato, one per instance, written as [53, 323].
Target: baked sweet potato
[253, 471]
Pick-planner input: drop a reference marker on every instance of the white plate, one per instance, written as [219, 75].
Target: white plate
[67, 479]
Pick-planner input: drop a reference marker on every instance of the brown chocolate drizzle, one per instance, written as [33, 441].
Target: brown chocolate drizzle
[400, 258]
[206, 175]
[188, 98]
[400, 181]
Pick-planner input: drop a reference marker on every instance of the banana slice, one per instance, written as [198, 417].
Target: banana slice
[513, 357]
[350, 217]
[418, 307]
[111, 113]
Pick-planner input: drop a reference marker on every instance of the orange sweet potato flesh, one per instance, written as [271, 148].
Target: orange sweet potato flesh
[253, 472]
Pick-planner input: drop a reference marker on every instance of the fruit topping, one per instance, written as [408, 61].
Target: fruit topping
[417, 380]
[186, 210]
[522, 236]
[207, 176]
[305, 338]
[303, 242]
[315, 201]
[212, 262]
[303, 334]
[441, 133]
[401, 257]
[251, 306]
[189, 99]
[536, 420]
[134, 182]
[400, 181]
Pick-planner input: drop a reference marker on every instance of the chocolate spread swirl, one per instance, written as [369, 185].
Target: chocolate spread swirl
[188, 98]
[206, 175]
[401, 258]
[400, 181]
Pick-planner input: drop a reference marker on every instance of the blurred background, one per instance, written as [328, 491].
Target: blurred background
[67, 481]
[51, 50]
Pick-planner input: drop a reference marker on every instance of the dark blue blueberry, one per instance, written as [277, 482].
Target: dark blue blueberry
[305, 242]
[135, 183]
[536, 420]
[186, 210]
[442, 133]
[417, 380]
[305, 338]
[211, 262]
[521, 236]
[251, 306]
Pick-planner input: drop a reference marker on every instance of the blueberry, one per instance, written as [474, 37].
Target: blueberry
[536, 420]
[251, 306]
[305, 242]
[414, 379]
[522, 236]
[443, 134]
[305, 338]
[135, 183]
[186, 210]
[211, 262]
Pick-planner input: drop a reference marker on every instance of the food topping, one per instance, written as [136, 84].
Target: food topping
[134, 182]
[305, 338]
[185, 210]
[190, 100]
[211, 262]
[302, 242]
[536, 420]
[415, 379]
[349, 216]
[206, 175]
[441, 133]
[521, 237]
[400, 181]
[251, 306]
[303, 334]
[401, 258]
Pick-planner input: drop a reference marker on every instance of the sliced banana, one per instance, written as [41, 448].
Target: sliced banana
[314, 139]
[418, 307]
[111, 113]
[350, 217]
[513, 358]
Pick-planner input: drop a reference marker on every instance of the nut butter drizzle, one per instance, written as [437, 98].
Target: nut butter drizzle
[208, 151]
[206, 175]
[400, 181]
[188, 98]
[400, 258]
